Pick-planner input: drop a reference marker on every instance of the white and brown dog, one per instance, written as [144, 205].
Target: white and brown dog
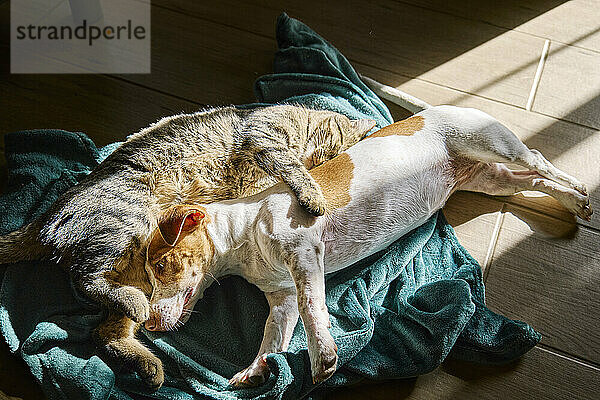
[376, 191]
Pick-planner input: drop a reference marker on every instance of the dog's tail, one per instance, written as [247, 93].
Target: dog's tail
[396, 96]
[22, 245]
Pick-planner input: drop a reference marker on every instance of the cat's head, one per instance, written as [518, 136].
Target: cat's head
[331, 133]
[178, 256]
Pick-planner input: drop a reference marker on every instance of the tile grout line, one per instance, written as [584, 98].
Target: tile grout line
[150, 88]
[529, 208]
[464, 92]
[567, 356]
[532, 210]
[493, 241]
[538, 75]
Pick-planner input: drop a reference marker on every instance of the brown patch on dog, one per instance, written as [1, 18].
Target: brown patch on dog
[406, 127]
[170, 258]
[334, 178]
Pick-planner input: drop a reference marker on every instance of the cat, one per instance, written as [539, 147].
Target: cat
[98, 229]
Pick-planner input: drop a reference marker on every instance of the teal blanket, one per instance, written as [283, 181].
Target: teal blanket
[397, 314]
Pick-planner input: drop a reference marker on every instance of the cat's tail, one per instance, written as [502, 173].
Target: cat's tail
[22, 245]
[396, 96]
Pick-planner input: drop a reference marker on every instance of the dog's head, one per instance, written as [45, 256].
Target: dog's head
[178, 257]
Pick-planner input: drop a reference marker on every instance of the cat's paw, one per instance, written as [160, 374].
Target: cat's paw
[133, 303]
[313, 201]
[256, 374]
[150, 370]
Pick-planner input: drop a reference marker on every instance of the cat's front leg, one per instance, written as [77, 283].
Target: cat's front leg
[116, 337]
[128, 300]
[285, 164]
[307, 191]
[283, 316]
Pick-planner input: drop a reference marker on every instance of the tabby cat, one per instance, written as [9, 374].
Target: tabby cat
[98, 230]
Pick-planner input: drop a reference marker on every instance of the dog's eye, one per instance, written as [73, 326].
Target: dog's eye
[160, 267]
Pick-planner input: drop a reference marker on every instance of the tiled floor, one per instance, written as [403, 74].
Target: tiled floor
[540, 265]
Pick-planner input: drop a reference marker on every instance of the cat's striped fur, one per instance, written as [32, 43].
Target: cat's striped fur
[98, 230]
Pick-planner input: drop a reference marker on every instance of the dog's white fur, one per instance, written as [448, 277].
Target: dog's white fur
[398, 182]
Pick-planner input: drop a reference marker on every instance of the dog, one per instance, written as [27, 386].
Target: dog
[378, 190]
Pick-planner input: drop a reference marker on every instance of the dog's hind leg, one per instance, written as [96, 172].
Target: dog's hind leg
[279, 327]
[497, 180]
[534, 160]
[487, 140]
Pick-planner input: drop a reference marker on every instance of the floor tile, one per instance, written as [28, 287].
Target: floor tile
[572, 22]
[570, 85]
[104, 108]
[207, 62]
[473, 218]
[466, 55]
[80, 56]
[552, 283]
[538, 375]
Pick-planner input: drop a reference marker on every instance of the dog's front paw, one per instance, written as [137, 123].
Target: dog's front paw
[323, 357]
[133, 303]
[313, 201]
[150, 370]
[256, 374]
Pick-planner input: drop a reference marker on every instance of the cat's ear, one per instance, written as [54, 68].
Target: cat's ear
[362, 126]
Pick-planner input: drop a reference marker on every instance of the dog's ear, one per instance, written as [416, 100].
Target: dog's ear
[173, 226]
[178, 222]
[362, 126]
